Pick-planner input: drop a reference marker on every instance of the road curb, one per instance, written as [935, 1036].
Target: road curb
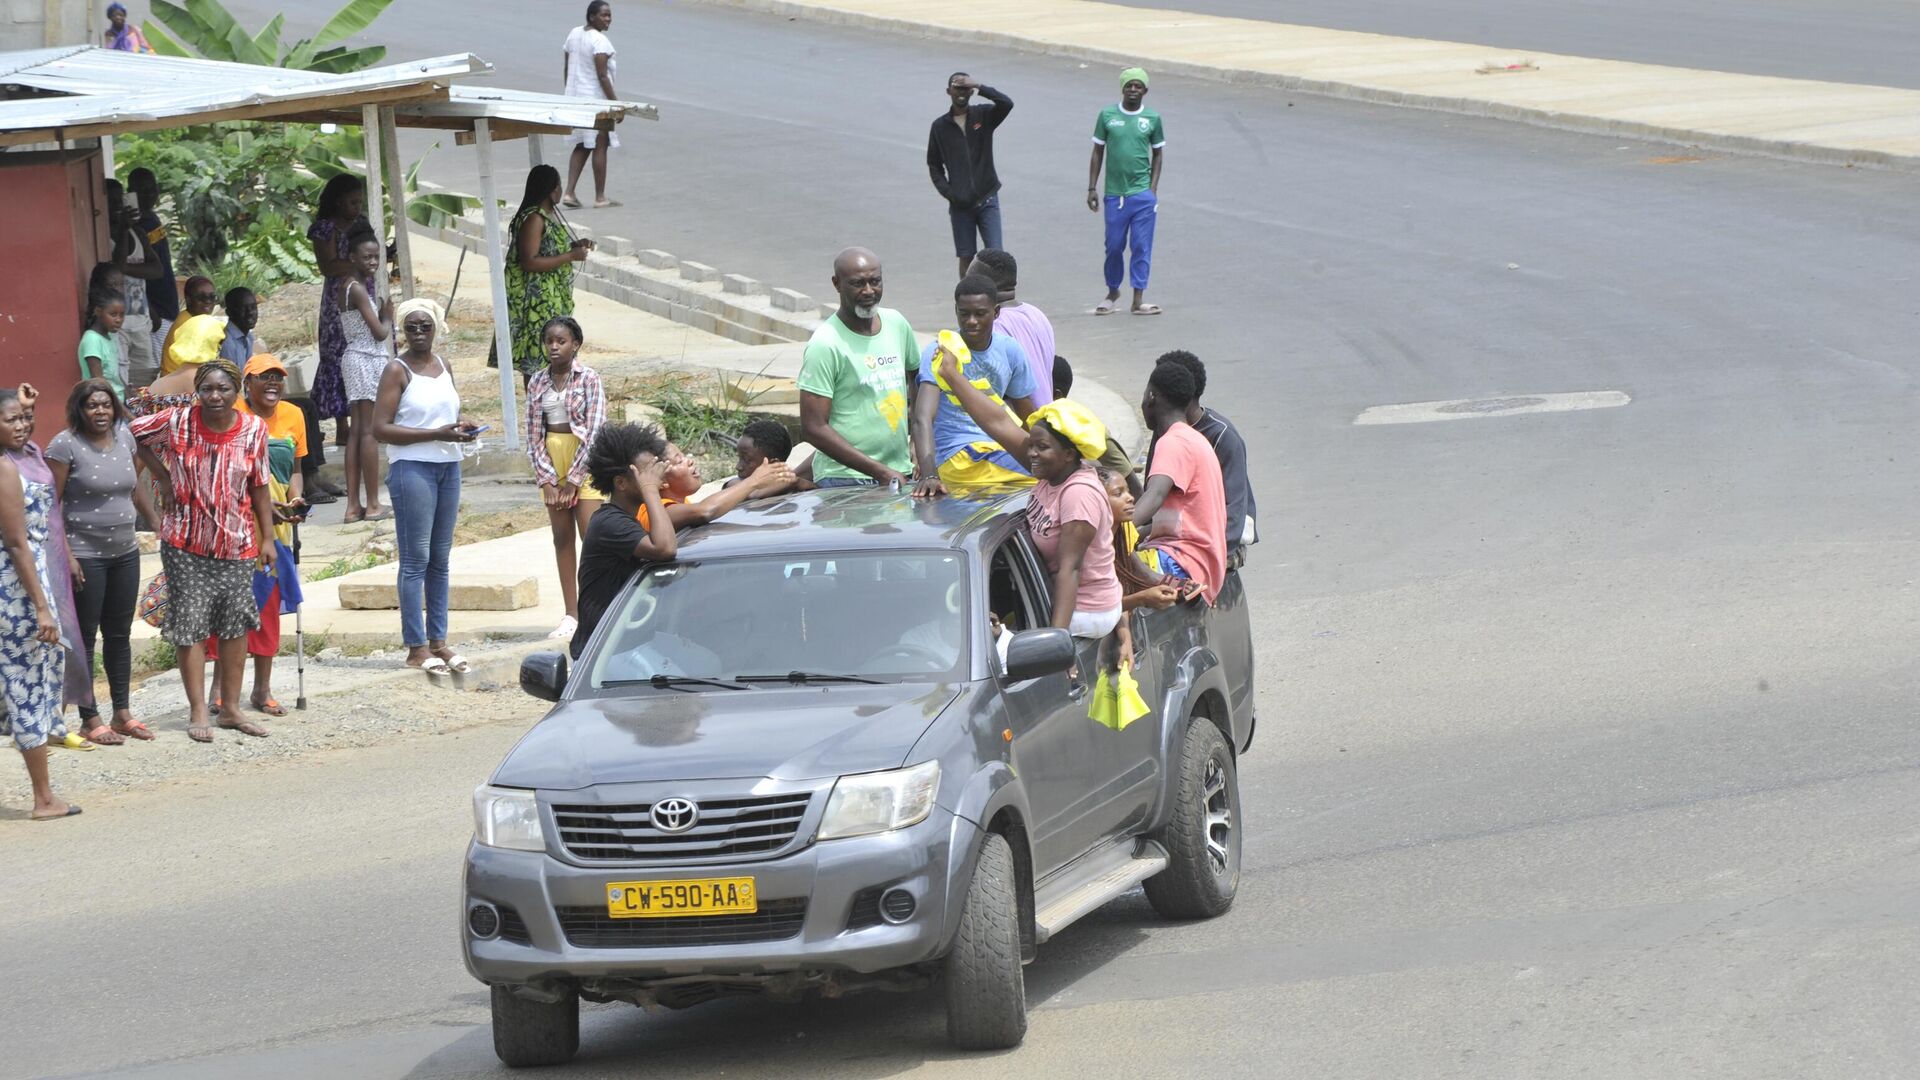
[1558, 120]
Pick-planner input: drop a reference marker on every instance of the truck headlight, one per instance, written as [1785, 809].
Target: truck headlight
[507, 818]
[880, 802]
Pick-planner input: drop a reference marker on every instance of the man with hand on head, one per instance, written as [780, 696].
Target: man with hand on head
[960, 160]
[854, 381]
[949, 447]
[1129, 137]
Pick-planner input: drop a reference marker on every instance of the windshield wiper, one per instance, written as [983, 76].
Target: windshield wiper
[673, 682]
[799, 677]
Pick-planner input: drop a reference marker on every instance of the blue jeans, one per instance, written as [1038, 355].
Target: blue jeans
[846, 481]
[984, 218]
[1130, 221]
[425, 496]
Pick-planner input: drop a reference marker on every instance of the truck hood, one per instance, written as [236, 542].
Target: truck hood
[789, 733]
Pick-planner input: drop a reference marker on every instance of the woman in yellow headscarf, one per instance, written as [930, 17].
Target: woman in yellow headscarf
[192, 342]
[1069, 518]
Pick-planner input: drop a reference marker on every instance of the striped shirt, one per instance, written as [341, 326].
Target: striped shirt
[214, 474]
[586, 411]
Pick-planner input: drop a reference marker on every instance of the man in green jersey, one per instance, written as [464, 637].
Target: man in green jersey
[1129, 137]
[854, 380]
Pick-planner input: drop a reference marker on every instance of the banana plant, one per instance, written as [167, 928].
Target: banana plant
[206, 29]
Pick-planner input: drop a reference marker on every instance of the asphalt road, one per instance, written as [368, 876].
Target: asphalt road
[1587, 743]
[1850, 41]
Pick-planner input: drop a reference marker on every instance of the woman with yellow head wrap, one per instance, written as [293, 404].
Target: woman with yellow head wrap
[1069, 517]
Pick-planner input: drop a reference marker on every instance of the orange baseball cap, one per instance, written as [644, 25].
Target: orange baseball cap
[264, 363]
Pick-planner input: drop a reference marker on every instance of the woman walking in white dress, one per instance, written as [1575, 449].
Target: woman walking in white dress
[587, 67]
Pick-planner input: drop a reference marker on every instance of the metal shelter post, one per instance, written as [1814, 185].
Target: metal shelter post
[534, 157]
[376, 204]
[397, 184]
[497, 256]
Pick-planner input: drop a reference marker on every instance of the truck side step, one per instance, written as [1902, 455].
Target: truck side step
[1093, 880]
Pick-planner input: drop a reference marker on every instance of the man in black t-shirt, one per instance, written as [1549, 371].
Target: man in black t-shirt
[626, 463]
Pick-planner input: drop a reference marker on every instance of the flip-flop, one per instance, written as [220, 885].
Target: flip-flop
[570, 202]
[246, 727]
[103, 735]
[200, 733]
[72, 742]
[605, 204]
[1147, 309]
[73, 810]
[271, 707]
[134, 729]
[1106, 307]
[458, 664]
[353, 517]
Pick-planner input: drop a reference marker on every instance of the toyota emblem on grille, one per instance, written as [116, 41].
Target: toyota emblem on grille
[675, 815]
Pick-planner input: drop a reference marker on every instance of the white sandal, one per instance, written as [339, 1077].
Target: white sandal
[564, 632]
[433, 665]
[457, 664]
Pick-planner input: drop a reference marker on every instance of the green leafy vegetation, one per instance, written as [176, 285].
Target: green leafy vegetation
[241, 194]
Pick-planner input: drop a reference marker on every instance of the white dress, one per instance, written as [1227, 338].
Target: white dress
[583, 79]
[365, 358]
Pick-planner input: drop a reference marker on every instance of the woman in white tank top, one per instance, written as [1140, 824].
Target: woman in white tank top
[417, 416]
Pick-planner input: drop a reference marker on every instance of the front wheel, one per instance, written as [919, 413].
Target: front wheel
[1203, 838]
[986, 990]
[528, 1033]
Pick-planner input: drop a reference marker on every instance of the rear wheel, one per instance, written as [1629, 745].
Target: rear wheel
[528, 1033]
[1203, 838]
[986, 990]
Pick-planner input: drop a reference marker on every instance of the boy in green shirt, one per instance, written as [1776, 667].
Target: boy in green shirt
[1129, 136]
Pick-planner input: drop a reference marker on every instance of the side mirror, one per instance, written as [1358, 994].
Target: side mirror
[1033, 653]
[544, 675]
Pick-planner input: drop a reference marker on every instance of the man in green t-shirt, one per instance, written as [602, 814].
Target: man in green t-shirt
[1129, 137]
[854, 382]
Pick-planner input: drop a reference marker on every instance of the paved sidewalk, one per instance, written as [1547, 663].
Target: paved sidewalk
[1795, 118]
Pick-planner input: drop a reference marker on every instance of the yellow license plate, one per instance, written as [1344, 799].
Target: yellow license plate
[671, 899]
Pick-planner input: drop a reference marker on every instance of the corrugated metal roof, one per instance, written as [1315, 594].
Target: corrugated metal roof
[92, 91]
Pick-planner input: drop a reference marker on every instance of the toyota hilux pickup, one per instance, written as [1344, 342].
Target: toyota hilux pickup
[834, 746]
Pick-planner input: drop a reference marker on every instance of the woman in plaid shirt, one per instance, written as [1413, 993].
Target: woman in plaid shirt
[565, 407]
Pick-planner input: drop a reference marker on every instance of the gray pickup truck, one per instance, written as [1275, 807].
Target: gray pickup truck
[802, 758]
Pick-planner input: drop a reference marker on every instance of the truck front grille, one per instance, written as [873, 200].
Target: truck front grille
[756, 825]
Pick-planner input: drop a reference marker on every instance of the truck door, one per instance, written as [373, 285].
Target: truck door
[1053, 741]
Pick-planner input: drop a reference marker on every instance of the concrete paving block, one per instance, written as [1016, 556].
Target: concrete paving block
[694, 271]
[657, 259]
[617, 246]
[465, 592]
[639, 412]
[580, 232]
[741, 285]
[789, 300]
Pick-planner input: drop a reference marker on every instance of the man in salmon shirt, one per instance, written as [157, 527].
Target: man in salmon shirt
[1183, 509]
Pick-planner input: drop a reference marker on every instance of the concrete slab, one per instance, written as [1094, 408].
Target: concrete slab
[367, 591]
[697, 271]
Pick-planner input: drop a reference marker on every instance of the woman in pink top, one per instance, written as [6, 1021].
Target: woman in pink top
[1069, 517]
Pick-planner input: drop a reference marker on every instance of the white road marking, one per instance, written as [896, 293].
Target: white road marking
[1426, 412]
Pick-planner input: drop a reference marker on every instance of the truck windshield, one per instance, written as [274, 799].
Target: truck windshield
[893, 616]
